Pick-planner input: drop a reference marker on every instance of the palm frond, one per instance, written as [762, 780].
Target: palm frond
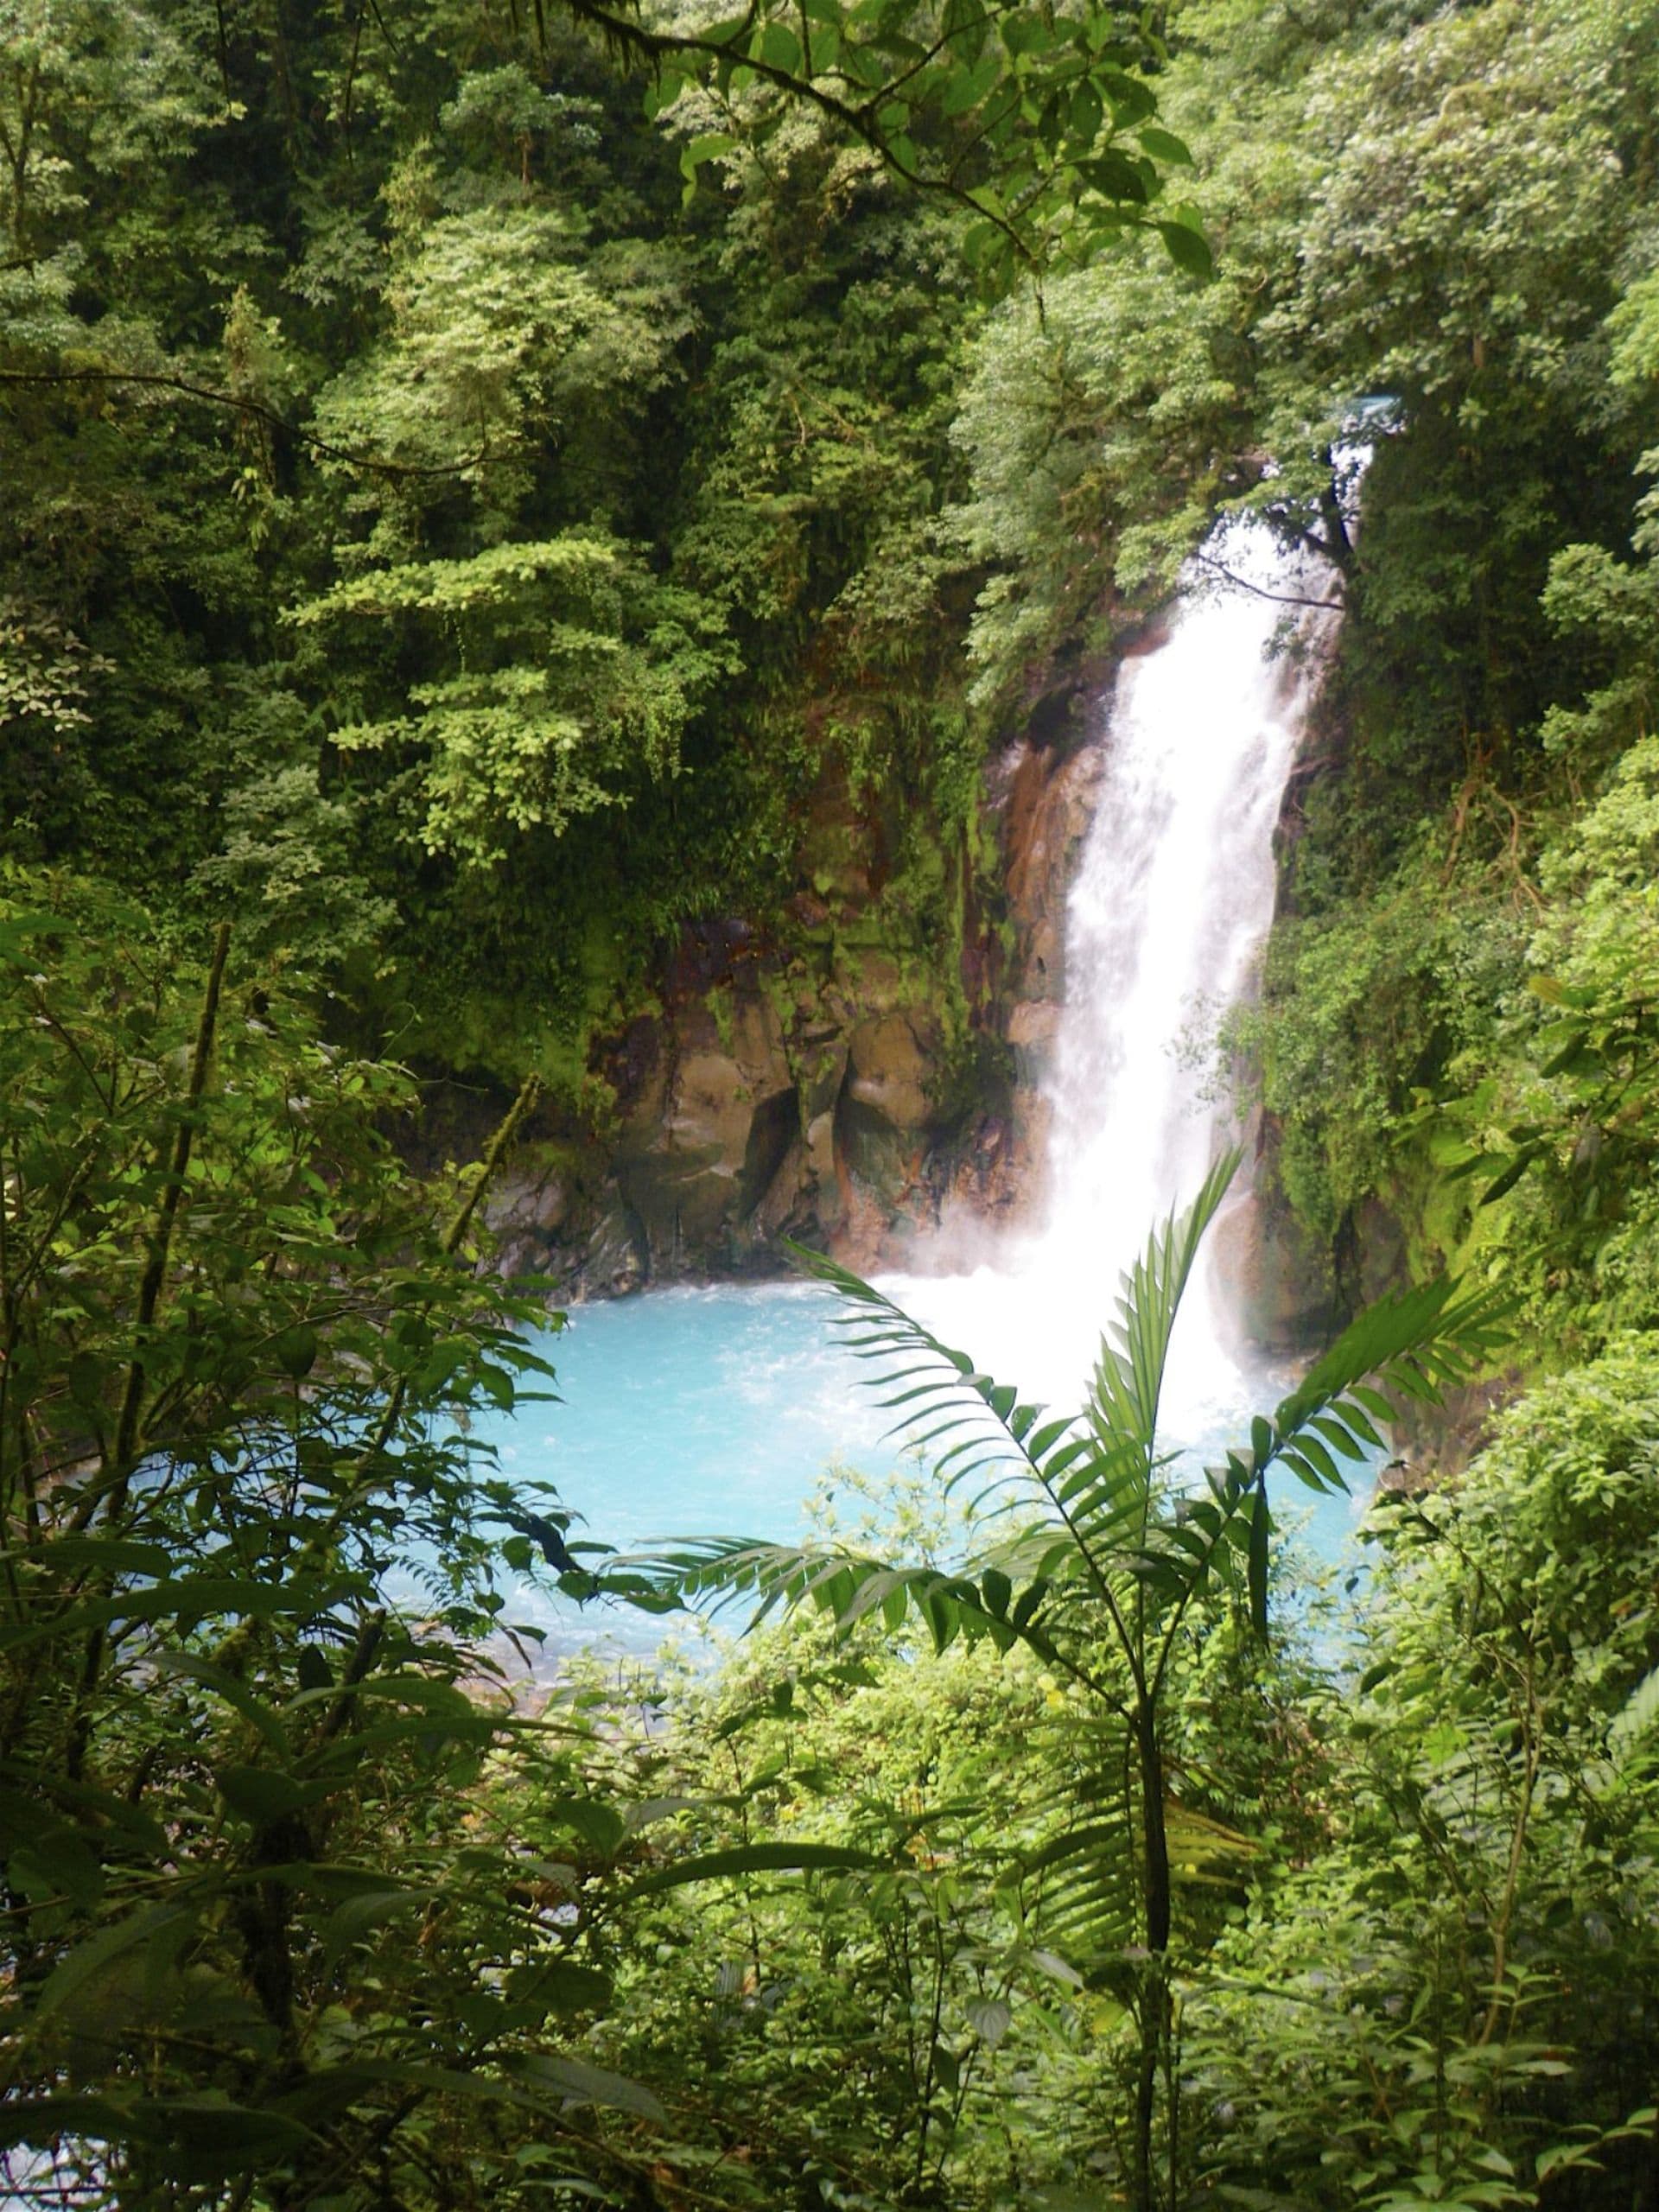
[848, 1585]
[1636, 1722]
[939, 1395]
[1093, 1474]
[1128, 1378]
[1108, 1491]
[1092, 1479]
[1078, 1888]
[1415, 1344]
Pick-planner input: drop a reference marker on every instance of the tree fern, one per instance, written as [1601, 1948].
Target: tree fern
[1094, 1557]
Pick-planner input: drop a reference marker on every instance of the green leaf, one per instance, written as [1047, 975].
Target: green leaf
[562, 1989]
[1188, 249]
[966, 88]
[1336, 1433]
[191, 1666]
[600, 1826]
[260, 1796]
[16, 930]
[1115, 177]
[89, 1961]
[1261, 1539]
[1163, 145]
[998, 1590]
[40, 2122]
[1308, 1444]
[1028, 1604]
[1084, 114]
[663, 89]
[110, 1555]
[1056, 1969]
[705, 147]
[527, 2082]
[191, 1597]
[1501, 1185]
[590, 2085]
[203, 2137]
[57, 1862]
[757, 1858]
[295, 1351]
[1132, 99]
[779, 47]
[359, 1915]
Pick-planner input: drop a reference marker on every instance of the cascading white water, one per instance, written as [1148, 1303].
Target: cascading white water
[1173, 897]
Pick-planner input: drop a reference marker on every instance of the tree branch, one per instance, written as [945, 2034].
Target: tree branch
[655, 47]
[1282, 598]
[255, 408]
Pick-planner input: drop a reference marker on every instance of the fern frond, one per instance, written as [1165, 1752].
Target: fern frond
[1128, 1378]
[848, 1585]
[1414, 1344]
[1091, 1480]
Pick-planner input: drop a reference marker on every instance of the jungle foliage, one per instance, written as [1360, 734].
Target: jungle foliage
[480, 482]
[1047, 1865]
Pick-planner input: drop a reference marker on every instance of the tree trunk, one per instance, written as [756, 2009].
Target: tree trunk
[1154, 1995]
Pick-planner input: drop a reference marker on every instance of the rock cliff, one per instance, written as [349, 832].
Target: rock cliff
[824, 1088]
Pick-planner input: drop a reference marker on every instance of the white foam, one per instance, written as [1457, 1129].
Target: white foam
[1170, 904]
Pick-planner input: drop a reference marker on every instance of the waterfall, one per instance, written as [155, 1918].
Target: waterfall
[714, 1408]
[1171, 902]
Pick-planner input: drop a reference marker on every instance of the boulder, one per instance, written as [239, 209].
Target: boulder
[529, 1207]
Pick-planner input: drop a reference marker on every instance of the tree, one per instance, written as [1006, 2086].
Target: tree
[1097, 1560]
[1447, 2003]
[1043, 129]
[262, 1922]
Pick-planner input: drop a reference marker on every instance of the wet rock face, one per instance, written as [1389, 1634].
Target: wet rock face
[749, 1113]
[685, 1164]
[678, 1160]
[1048, 801]
[882, 1115]
[1282, 1290]
[1044, 796]
[764, 1100]
[528, 1209]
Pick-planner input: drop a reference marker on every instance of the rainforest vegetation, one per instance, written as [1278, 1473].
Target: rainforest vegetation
[481, 480]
